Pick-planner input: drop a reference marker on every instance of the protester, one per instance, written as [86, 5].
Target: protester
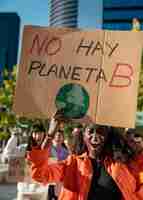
[75, 142]
[136, 25]
[53, 127]
[54, 146]
[37, 136]
[96, 174]
[35, 140]
[134, 140]
[11, 146]
[58, 150]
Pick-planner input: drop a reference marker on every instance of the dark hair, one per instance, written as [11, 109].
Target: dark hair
[78, 143]
[60, 131]
[116, 142]
[38, 128]
[77, 125]
[97, 128]
[133, 132]
[31, 143]
[130, 131]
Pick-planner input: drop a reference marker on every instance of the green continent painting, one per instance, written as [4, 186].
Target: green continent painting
[73, 99]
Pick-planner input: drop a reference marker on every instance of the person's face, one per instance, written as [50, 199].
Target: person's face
[38, 136]
[135, 142]
[58, 138]
[76, 131]
[95, 140]
[135, 20]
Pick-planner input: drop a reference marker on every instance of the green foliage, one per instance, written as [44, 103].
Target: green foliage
[68, 130]
[4, 135]
[7, 118]
[140, 90]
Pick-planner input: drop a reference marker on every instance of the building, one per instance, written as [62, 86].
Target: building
[76, 13]
[90, 14]
[118, 14]
[63, 13]
[9, 40]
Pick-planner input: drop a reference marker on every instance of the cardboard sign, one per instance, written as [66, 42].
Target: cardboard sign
[86, 73]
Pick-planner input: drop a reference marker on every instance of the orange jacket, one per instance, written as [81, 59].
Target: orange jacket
[76, 173]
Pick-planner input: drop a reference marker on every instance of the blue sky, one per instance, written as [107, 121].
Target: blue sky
[36, 12]
[30, 11]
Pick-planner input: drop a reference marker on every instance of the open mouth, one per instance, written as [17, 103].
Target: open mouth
[95, 146]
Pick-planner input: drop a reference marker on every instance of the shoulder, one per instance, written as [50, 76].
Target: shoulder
[73, 159]
[139, 159]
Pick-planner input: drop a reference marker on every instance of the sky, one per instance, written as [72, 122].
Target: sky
[36, 12]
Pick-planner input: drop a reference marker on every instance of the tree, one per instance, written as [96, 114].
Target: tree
[140, 90]
[8, 119]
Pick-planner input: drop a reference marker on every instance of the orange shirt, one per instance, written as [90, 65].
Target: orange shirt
[76, 173]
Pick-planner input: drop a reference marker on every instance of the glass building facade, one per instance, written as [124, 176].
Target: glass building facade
[9, 41]
[63, 13]
[75, 13]
[118, 14]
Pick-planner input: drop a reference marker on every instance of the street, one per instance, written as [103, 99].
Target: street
[8, 191]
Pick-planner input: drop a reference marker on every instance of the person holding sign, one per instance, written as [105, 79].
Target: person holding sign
[96, 174]
[57, 151]
[37, 136]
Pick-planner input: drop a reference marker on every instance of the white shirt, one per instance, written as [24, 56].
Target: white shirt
[11, 146]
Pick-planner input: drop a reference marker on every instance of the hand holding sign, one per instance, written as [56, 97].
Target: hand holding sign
[53, 126]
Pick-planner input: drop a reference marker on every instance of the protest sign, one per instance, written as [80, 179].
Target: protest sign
[86, 73]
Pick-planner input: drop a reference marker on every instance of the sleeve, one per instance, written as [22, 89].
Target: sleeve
[52, 126]
[41, 170]
[124, 180]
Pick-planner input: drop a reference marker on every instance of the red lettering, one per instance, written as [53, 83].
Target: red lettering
[55, 46]
[50, 47]
[121, 76]
[36, 43]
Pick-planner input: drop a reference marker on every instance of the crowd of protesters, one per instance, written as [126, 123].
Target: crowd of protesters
[94, 162]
